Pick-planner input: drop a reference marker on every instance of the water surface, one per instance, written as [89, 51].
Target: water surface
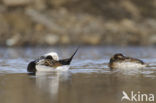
[89, 79]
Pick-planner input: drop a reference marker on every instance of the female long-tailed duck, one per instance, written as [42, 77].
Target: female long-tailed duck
[119, 61]
[50, 62]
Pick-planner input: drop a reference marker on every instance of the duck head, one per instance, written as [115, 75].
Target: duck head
[32, 65]
[117, 56]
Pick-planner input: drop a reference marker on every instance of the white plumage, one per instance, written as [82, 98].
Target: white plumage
[128, 65]
[46, 68]
[40, 67]
[53, 54]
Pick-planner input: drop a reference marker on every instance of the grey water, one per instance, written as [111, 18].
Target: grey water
[89, 79]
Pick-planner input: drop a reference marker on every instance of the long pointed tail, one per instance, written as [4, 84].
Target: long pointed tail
[74, 54]
[68, 61]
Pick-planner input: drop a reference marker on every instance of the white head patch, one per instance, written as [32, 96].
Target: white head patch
[53, 54]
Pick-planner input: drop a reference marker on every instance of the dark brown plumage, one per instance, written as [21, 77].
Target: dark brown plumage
[118, 60]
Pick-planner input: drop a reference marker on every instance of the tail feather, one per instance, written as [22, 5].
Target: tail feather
[68, 61]
[73, 54]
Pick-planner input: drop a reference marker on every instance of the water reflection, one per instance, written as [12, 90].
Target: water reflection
[49, 82]
[89, 80]
[71, 87]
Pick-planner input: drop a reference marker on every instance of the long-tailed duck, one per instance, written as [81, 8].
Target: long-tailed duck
[50, 62]
[119, 61]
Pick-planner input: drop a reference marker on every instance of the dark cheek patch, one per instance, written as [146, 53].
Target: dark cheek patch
[49, 57]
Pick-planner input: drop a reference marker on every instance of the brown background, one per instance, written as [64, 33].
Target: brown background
[85, 22]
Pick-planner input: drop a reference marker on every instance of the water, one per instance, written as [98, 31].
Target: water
[88, 81]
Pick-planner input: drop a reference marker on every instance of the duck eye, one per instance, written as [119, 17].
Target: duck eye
[49, 57]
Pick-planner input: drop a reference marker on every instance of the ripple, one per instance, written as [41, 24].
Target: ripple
[94, 61]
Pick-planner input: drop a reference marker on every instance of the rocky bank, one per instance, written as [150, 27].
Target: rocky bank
[85, 22]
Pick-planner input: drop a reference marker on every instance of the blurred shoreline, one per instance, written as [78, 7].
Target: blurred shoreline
[77, 22]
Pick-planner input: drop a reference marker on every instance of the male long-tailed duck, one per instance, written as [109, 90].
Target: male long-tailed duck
[119, 61]
[50, 62]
